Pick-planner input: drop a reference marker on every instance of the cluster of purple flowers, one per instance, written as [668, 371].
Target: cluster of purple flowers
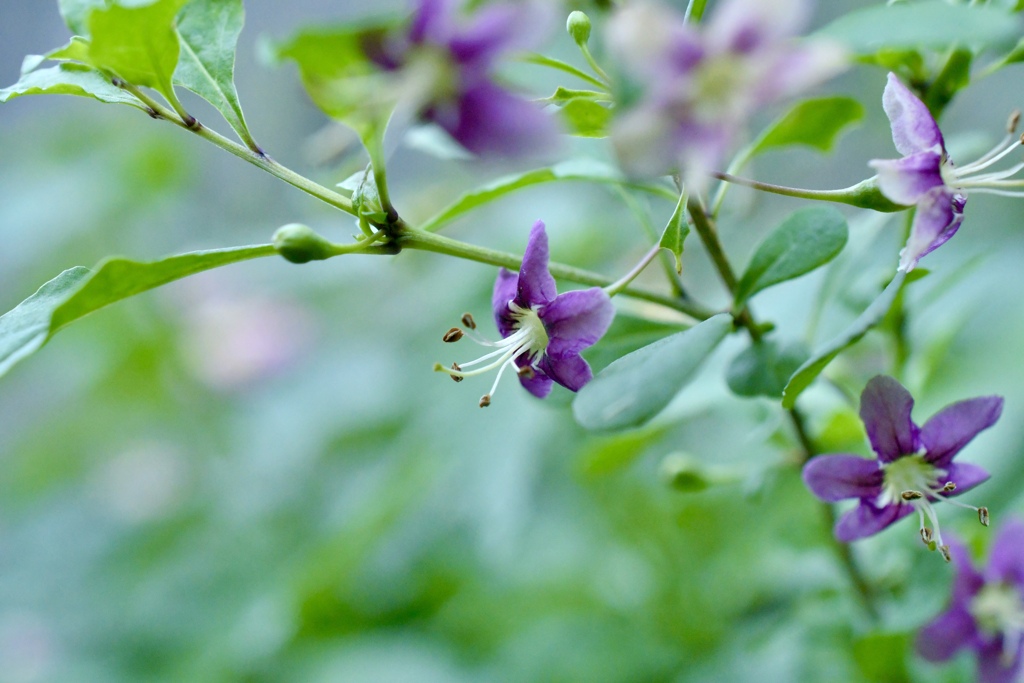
[698, 89]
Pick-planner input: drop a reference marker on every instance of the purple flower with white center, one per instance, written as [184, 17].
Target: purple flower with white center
[986, 613]
[702, 85]
[449, 64]
[542, 331]
[926, 176]
[914, 467]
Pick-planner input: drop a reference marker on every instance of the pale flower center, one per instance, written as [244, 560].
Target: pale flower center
[529, 339]
[999, 611]
[912, 480]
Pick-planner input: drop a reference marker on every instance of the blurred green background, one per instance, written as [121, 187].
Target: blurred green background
[253, 475]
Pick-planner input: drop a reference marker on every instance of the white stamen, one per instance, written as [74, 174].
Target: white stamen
[912, 480]
[529, 339]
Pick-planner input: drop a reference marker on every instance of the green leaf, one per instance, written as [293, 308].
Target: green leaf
[563, 95]
[584, 170]
[676, 232]
[882, 657]
[764, 368]
[79, 291]
[815, 123]
[76, 13]
[139, 44]
[339, 77]
[934, 24]
[541, 60]
[585, 117]
[69, 79]
[636, 387]
[871, 316]
[209, 31]
[809, 238]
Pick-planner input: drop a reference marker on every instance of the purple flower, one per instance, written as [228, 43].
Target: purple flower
[926, 176]
[449, 63]
[701, 86]
[542, 331]
[914, 468]
[986, 613]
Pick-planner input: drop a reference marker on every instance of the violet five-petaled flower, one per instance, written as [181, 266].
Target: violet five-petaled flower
[542, 331]
[986, 612]
[702, 84]
[926, 176]
[914, 466]
[450, 62]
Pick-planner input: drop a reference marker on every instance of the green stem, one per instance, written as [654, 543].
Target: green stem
[709, 236]
[593, 63]
[622, 283]
[864, 195]
[375, 148]
[257, 159]
[842, 550]
[410, 238]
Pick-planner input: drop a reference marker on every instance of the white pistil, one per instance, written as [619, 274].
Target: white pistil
[999, 612]
[912, 480]
[969, 176]
[529, 339]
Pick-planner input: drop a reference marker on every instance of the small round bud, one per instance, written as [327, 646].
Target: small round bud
[578, 26]
[683, 473]
[299, 244]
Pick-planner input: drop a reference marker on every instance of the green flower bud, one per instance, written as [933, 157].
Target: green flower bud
[578, 26]
[299, 244]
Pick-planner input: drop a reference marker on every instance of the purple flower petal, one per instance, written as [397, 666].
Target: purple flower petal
[488, 120]
[967, 581]
[885, 410]
[499, 28]
[536, 286]
[935, 222]
[992, 669]
[946, 634]
[836, 477]
[505, 288]
[1006, 561]
[433, 21]
[538, 384]
[866, 520]
[576, 320]
[913, 127]
[953, 427]
[907, 180]
[965, 475]
[746, 26]
[571, 371]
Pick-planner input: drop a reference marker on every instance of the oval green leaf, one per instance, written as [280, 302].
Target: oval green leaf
[809, 238]
[208, 31]
[871, 316]
[79, 291]
[638, 386]
[815, 123]
[935, 24]
[764, 368]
